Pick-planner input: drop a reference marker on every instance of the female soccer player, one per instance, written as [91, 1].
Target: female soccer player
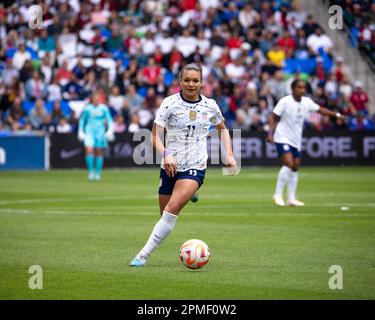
[186, 117]
[286, 125]
[95, 128]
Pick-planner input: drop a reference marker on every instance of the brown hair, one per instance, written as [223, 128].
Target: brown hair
[192, 66]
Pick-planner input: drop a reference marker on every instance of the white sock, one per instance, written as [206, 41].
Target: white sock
[282, 179]
[161, 230]
[292, 185]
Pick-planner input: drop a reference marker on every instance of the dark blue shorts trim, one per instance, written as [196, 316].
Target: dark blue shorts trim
[167, 183]
[285, 148]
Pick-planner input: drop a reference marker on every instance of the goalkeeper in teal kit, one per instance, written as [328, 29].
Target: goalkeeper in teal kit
[94, 130]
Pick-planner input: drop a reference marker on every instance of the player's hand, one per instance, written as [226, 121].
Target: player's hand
[342, 117]
[231, 165]
[170, 166]
[109, 135]
[81, 136]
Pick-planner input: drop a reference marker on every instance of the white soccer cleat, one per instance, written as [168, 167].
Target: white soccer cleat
[295, 203]
[278, 201]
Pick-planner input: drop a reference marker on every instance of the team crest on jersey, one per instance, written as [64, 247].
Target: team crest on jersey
[192, 115]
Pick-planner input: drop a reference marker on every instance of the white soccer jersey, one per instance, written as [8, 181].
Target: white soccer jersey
[292, 115]
[187, 127]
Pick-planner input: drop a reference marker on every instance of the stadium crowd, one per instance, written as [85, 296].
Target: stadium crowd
[359, 16]
[131, 52]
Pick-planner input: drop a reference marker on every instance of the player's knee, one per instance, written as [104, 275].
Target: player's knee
[173, 207]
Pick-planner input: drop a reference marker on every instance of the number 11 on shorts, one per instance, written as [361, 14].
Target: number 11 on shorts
[193, 173]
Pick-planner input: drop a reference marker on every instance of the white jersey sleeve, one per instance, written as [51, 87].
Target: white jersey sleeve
[162, 115]
[217, 117]
[312, 106]
[280, 107]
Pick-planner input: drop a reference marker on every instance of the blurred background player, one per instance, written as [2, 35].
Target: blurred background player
[286, 126]
[95, 128]
[186, 116]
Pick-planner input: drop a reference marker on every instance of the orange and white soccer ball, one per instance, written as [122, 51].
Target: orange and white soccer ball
[194, 254]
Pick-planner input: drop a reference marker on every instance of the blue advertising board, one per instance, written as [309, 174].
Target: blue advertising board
[24, 152]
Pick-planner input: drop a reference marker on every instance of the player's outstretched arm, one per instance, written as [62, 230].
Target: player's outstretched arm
[225, 137]
[327, 112]
[170, 164]
[273, 120]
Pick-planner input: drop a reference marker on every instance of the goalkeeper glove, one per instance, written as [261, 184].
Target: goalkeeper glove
[81, 135]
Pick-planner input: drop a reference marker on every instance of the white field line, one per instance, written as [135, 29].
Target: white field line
[315, 194]
[154, 213]
[71, 212]
[54, 200]
[155, 196]
[249, 205]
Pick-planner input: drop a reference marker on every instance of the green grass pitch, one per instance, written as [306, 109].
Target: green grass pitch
[83, 235]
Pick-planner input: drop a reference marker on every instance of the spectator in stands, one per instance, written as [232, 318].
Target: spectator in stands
[143, 49]
[297, 14]
[47, 44]
[346, 88]
[318, 40]
[359, 99]
[287, 44]
[73, 90]
[160, 87]
[46, 69]
[331, 85]
[186, 43]
[301, 49]
[20, 56]
[243, 119]
[148, 43]
[134, 123]
[9, 73]
[115, 41]
[63, 126]
[320, 97]
[277, 85]
[276, 55]
[235, 70]
[56, 113]
[309, 26]
[53, 90]
[35, 88]
[360, 123]
[133, 100]
[16, 117]
[151, 72]
[38, 115]
[79, 69]
[341, 70]
[119, 125]
[98, 16]
[266, 41]
[63, 73]
[248, 16]
[116, 99]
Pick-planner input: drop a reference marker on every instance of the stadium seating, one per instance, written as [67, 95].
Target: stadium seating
[117, 52]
